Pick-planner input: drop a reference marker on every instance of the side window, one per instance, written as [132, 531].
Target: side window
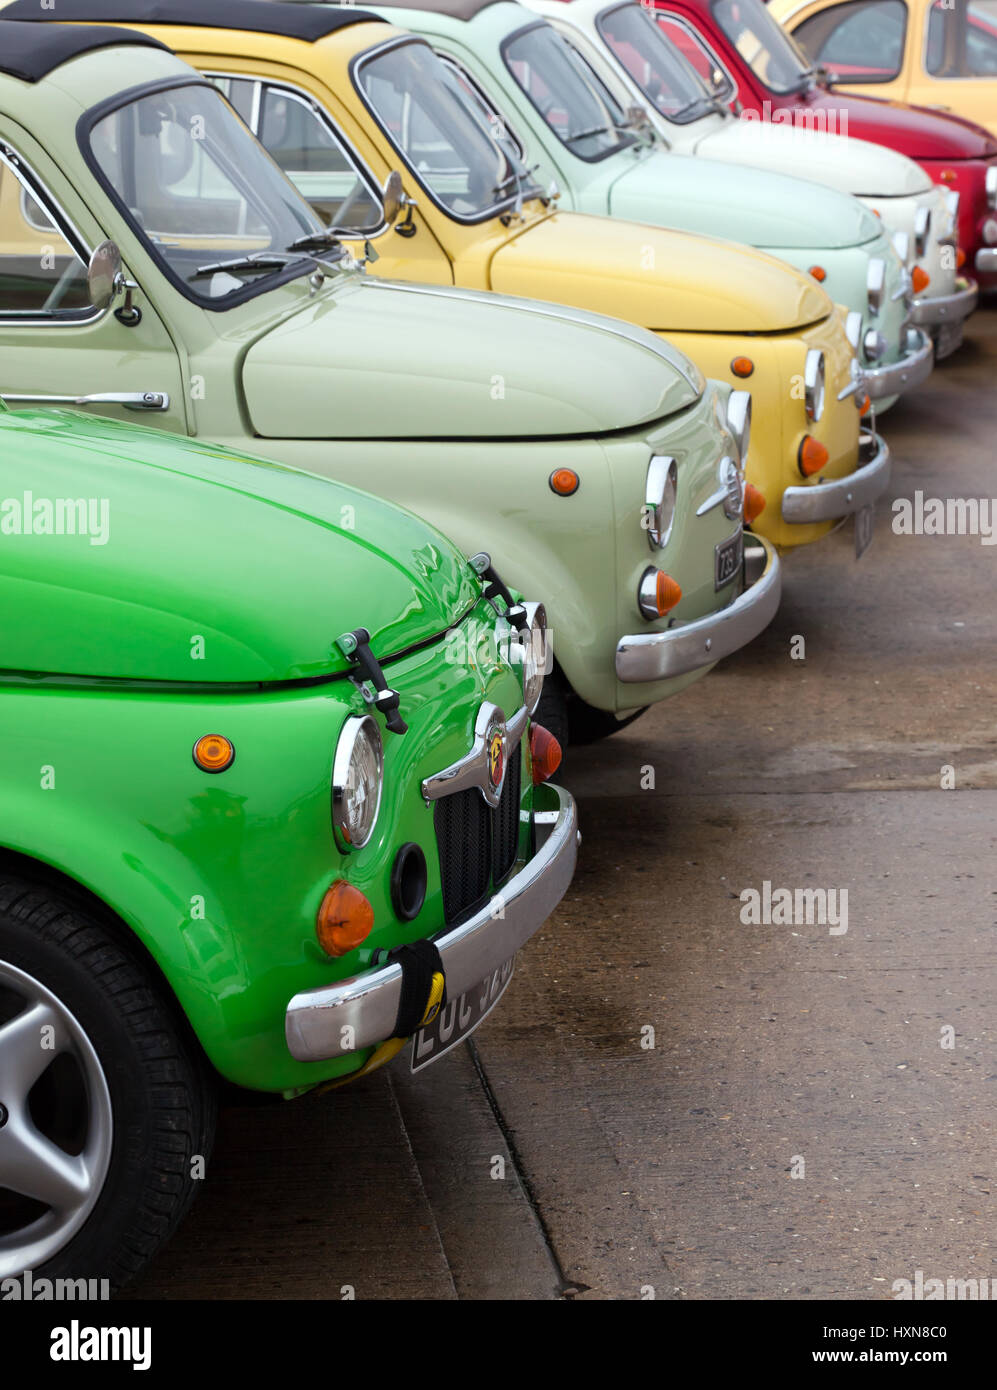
[962, 43]
[698, 55]
[306, 147]
[862, 41]
[43, 264]
[496, 121]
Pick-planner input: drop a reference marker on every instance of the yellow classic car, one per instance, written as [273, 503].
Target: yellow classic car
[471, 215]
[937, 53]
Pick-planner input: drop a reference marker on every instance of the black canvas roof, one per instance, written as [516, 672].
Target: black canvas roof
[288, 21]
[32, 53]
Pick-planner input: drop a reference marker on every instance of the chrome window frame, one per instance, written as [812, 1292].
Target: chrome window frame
[674, 18]
[360, 166]
[28, 181]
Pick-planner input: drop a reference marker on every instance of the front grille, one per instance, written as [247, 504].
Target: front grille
[477, 845]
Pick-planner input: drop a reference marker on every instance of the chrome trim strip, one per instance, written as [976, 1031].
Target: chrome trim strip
[915, 366]
[945, 308]
[654, 656]
[829, 501]
[473, 769]
[316, 1020]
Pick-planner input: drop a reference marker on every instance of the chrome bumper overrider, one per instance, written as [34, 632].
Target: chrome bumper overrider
[946, 308]
[655, 656]
[896, 377]
[318, 1020]
[829, 501]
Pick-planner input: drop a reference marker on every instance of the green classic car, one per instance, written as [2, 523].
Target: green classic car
[598, 465]
[271, 803]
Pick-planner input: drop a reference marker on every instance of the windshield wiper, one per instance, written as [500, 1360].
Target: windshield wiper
[594, 130]
[319, 241]
[256, 263]
[515, 177]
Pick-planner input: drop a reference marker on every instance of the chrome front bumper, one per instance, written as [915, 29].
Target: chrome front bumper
[367, 1004]
[986, 260]
[839, 497]
[945, 308]
[656, 656]
[896, 377]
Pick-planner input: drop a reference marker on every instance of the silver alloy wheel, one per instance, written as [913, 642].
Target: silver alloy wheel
[32, 1163]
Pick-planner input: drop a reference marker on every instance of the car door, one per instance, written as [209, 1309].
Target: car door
[956, 59]
[55, 346]
[864, 43]
[312, 149]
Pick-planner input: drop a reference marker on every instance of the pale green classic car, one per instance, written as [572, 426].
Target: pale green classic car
[596, 464]
[568, 126]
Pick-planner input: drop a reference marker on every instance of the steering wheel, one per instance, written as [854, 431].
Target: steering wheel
[61, 287]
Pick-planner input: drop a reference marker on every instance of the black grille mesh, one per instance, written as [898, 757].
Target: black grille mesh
[477, 845]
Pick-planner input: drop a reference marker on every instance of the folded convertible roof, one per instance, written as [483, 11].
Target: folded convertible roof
[31, 53]
[289, 21]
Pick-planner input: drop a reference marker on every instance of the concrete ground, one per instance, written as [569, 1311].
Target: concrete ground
[669, 1102]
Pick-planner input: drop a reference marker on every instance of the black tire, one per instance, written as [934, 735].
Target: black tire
[117, 1020]
[586, 724]
[552, 710]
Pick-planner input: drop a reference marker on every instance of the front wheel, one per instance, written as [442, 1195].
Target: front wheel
[106, 1111]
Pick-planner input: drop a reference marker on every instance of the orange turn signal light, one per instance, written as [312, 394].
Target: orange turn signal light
[948, 176]
[742, 366]
[667, 593]
[812, 456]
[865, 405]
[345, 919]
[754, 503]
[920, 279]
[960, 258]
[213, 753]
[818, 272]
[545, 754]
[564, 481]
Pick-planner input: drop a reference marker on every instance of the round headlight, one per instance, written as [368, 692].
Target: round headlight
[535, 654]
[660, 492]
[357, 778]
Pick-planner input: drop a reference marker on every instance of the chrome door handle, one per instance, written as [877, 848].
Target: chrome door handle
[131, 400]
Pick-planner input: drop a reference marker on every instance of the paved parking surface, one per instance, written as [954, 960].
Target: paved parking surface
[636, 1161]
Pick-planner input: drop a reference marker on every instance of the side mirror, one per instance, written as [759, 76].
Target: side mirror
[105, 278]
[394, 198]
[106, 282]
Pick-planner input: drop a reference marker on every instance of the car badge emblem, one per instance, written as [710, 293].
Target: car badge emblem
[496, 756]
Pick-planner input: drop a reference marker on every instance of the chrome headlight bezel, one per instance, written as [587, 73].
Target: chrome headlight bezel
[660, 497]
[814, 384]
[853, 328]
[901, 245]
[739, 422]
[873, 345]
[990, 185]
[358, 733]
[875, 283]
[922, 230]
[732, 482]
[534, 644]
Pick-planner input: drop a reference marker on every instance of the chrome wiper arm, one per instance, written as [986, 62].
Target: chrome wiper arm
[594, 130]
[318, 241]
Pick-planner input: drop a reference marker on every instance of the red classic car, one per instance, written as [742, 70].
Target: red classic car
[753, 64]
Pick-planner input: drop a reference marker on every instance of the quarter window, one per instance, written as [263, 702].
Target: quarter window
[698, 55]
[43, 264]
[305, 145]
[962, 41]
[859, 42]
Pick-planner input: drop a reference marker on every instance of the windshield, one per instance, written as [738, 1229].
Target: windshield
[660, 72]
[767, 49]
[201, 192]
[465, 159]
[574, 103]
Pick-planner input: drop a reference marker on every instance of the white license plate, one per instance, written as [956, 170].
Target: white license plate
[459, 1018]
[864, 520]
[728, 559]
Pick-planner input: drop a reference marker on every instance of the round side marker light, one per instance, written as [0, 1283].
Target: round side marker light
[742, 366]
[213, 753]
[564, 481]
